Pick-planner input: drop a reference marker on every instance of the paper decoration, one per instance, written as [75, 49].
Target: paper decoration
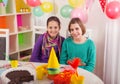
[53, 61]
[64, 77]
[75, 63]
[77, 79]
[103, 4]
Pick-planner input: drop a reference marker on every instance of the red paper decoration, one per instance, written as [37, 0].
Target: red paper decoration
[102, 3]
[64, 77]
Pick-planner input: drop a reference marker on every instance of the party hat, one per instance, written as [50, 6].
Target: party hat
[53, 61]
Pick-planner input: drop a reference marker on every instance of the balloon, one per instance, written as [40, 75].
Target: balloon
[113, 9]
[37, 11]
[47, 7]
[82, 14]
[66, 11]
[76, 3]
[33, 3]
[89, 3]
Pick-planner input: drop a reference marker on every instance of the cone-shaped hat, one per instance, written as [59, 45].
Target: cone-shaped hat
[53, 61]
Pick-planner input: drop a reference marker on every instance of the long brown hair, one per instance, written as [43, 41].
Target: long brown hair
[53, 18]
[78, 21]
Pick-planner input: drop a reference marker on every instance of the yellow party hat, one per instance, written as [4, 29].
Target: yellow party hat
[53, 61]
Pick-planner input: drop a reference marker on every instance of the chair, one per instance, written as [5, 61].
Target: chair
[4, 44]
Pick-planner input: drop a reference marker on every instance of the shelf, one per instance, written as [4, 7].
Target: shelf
[25, 53]
[25, 31]
[23, 22]
[11, 53]
[16, 17]
[25, 40]
[23, 13]
[25, 49]
[7, 8]
[22, 7]
[13, 43]
[14, 56]
[7, 22]
[7, 14]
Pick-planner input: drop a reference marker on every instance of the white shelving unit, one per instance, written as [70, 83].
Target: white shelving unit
[17, 18]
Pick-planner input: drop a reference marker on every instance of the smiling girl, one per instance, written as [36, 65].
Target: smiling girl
[46, 41]
[78, 46]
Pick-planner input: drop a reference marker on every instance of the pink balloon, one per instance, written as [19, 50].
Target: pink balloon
[33, 3]
[89, 3]
[113, 9]
[82, 14]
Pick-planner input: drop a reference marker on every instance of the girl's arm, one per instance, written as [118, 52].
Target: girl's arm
[36, 53]
[63, 54]
[90, 65]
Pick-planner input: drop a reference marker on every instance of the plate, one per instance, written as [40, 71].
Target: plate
[5, 80]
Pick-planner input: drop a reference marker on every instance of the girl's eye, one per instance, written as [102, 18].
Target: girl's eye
[77, 28]
[71, 29]
[55, 27]
[50, 27]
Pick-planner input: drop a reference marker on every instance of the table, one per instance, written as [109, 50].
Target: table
[90, 78]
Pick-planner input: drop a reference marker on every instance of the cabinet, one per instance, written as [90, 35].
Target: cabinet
[16, 16]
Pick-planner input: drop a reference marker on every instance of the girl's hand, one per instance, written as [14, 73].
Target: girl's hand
[75, 62]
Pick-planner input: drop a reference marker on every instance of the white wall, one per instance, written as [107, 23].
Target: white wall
[96, 21]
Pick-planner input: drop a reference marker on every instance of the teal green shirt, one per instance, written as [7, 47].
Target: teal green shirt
[85, 51]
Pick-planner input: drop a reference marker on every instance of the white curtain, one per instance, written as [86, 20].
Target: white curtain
[112, 52]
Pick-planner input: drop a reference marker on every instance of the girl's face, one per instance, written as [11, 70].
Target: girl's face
[53, 29]
[75, 31]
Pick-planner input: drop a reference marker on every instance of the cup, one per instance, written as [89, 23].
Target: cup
[14, 63]
[40, 72]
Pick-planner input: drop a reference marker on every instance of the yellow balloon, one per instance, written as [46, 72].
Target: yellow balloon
[47, 7]
[76, 3]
